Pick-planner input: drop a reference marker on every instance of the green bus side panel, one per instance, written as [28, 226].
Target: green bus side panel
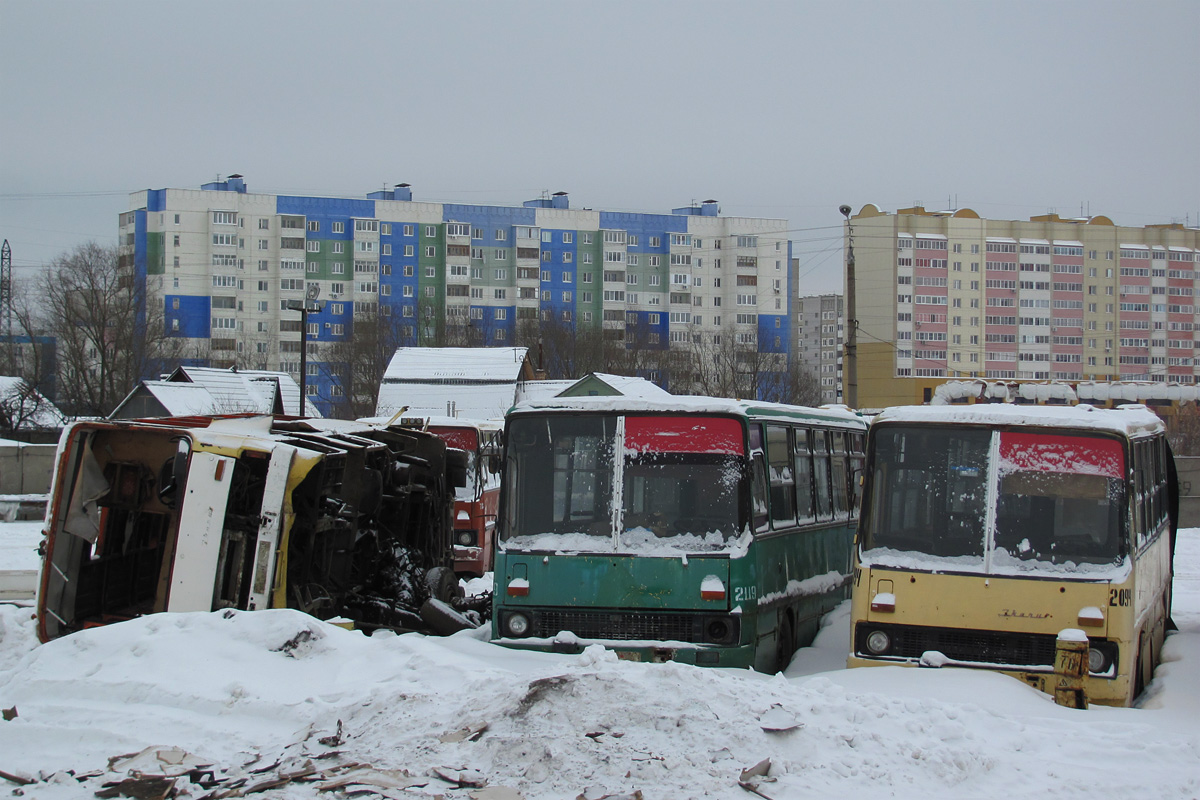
[795, 574]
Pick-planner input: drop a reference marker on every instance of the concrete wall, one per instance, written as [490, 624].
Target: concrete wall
[1189, 490]
[26, 468]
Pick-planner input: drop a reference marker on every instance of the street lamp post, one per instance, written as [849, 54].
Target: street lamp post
[304, 307]
[851, 360]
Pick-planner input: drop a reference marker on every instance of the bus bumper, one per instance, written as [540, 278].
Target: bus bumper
[737, 656]
[1100, 691]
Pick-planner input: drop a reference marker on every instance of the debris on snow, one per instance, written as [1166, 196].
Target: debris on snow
[370, 776]
[462, 778]
[540, 688]
[469, 733]
[777, 719]
[335, 739]
[496, 793]
[751, 777]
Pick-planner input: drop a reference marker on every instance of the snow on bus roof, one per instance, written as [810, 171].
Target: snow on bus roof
[691, 404]
[434, 420]
[1128, 419]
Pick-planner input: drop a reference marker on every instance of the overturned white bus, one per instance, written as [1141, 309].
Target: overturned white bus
[336, 519]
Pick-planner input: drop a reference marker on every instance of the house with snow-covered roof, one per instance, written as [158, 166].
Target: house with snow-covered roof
[464, 382]
[206, 390]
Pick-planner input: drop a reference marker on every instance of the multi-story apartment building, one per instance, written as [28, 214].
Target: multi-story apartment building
[943, 295]
[225, 263]
[819, 342]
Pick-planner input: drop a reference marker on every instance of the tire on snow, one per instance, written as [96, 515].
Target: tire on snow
[442, 584]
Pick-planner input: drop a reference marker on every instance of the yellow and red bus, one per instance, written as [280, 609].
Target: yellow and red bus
[988, 529]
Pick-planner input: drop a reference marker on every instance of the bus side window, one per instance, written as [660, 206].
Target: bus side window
[1160, 477]
[838, 464]
[804, 487]
[1138, 501]
[857, 460]
[758, 498]
[783, 484]
[821, 474]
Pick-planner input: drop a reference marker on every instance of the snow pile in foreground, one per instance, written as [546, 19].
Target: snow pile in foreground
[272, 695]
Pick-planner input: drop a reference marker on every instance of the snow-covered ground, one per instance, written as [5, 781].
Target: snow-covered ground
[267, 696]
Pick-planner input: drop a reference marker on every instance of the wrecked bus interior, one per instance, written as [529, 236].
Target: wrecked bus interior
[333, 518]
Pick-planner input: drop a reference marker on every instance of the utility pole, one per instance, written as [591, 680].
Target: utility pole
[851, 394]
[6, 289]
[309, 303]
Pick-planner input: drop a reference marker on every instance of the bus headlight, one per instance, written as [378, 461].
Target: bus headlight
[720, 630]
[1101, 656]
[465, 538]
[517, 624]
[878, 642]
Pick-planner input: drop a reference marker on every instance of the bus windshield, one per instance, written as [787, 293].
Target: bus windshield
[679, 483]
[1060, 498]
[1018, 499]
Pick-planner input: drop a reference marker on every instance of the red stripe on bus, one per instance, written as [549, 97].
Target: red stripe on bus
[1052, 453]
[462, 438]
[719, 435]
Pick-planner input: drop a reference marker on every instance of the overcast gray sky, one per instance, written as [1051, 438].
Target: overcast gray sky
[783, 109]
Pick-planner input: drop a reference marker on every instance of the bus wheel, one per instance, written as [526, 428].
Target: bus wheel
[443, 584]
[1139, 669]
[785, 642]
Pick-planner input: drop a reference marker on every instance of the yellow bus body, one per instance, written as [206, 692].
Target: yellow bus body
[1124, 610]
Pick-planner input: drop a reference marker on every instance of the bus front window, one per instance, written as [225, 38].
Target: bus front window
[560, 480]
[1060, 499]
[692, 496]
[929, 487]
[680, 481]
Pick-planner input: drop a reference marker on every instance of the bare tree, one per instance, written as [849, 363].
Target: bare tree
[107, 337]
[26, 356]
[1183, 429]
[359, 360]
[720, 364]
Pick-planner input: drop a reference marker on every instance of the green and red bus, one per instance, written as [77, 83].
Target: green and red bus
[700, 530]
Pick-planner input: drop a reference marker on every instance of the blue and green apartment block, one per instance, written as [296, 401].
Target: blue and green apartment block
[224, 263]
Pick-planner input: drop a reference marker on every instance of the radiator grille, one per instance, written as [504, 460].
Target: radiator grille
[623, 626]
[989, 647]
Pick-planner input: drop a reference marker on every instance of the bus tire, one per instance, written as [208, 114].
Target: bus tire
[785, 642]
[443, 584]
[1139, 667]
